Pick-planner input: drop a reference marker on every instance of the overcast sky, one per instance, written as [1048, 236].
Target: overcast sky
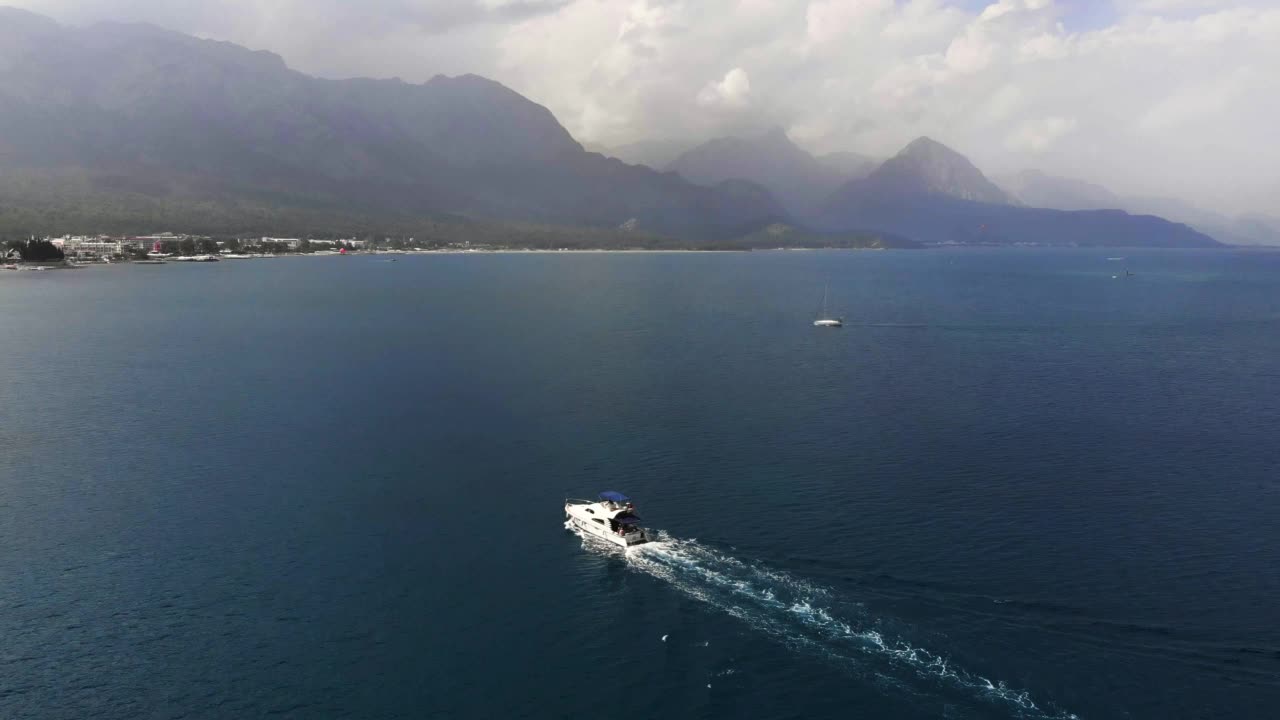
[1145, 96]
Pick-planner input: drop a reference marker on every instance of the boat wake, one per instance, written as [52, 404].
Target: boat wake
[809, 617]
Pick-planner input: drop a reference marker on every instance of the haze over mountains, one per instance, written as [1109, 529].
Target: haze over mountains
[927, 192]
[115, 126]
[803, 182]
[1038, 189]
[652, 153]
[131, 118]
[933, 194]
[797, 179]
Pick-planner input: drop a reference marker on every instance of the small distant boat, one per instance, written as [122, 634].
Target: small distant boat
[825, 319]
[1125, 273]
[611, 518]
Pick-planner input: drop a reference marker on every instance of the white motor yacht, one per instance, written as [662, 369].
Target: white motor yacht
[611, 518]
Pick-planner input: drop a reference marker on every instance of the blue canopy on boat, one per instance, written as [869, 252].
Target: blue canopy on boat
[613, 496]
[628, 520]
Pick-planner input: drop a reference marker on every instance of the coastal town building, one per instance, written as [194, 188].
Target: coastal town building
[295, 243]
[84, 246]
[148, 242]
[104, 247]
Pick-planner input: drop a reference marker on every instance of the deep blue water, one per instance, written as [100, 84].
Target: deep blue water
[1011, 486]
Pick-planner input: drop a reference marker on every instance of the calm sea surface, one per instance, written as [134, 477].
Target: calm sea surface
[1011, 487]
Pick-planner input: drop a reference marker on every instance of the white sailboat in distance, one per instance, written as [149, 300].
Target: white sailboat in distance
[825, 319]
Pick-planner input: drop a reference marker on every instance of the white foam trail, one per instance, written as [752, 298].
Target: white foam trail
[799, 614]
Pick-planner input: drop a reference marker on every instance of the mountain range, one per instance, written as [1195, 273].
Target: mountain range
[650, 153]
[934, 195]
[131, 118]
[927, 192]
[797, 179]
[129, 128]
[1033, 187]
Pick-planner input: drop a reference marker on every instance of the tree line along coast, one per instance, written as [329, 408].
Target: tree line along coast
[71, 251]
[477, 236]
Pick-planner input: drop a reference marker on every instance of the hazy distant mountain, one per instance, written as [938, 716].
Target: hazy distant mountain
[653, 153]
[1242, 230]
[794, 176]
[935, 195]
[927, 167]
[1039, 189]
[1036, 189]
[851, 165]
[1258, 229]
[113, 123]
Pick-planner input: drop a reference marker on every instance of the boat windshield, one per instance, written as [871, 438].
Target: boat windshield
[625, 524]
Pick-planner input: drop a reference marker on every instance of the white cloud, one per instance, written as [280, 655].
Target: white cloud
[1178, 6]
[835, 20]
[734, 91]
[1037, 136]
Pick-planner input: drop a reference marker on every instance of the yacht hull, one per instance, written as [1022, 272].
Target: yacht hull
[585, 519]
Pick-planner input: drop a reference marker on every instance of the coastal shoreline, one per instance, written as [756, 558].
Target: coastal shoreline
[79, 265]
[69, 264]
